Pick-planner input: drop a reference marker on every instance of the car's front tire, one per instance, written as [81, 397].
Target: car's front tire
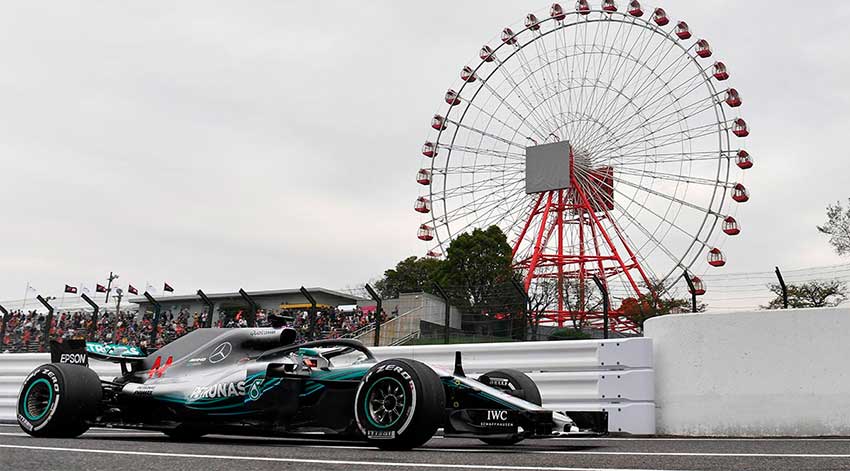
[515, 383]
[57, 400]
[399, 404]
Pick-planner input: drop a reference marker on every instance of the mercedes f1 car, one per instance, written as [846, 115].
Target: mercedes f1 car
[259, 381]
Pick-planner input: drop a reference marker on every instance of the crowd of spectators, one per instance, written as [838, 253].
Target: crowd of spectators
[24, 331]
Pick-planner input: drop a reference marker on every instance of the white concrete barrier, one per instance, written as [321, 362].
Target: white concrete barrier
[765, 373]
[588, 375]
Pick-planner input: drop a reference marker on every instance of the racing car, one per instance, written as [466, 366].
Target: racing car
[260, 381]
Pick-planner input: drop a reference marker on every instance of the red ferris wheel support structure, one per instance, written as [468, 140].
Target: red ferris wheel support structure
[584, 204]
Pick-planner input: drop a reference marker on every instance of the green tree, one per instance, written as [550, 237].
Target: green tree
[828, 293]
[477, 275]
[837, 227]
[410, 275]
[477, 263]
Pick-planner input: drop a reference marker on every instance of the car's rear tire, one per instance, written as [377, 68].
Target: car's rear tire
[57, 400]
[399, 404]
[515, 383]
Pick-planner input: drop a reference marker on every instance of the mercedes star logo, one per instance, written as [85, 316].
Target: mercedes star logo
[221, 352]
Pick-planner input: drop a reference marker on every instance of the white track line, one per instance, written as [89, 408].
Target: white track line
[649, 453]
[523, 451]
[313, 461]
[519, 450]
[704, 439]
[95, 434]
[565, 439]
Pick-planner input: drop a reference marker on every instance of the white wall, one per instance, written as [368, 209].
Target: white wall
[765, 373]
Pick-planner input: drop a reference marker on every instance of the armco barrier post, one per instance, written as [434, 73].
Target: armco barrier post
[157, 309]
[312, 302]
[45, 339]
[252, 315]
[448, 314]
[378, 317]
[605, 305]
[210, 306]
[95, 311]
[784, 288]
[3, 327]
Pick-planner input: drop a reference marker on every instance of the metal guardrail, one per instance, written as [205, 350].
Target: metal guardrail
[616, 376]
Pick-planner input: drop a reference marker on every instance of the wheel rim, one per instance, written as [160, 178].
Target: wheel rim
[37, 399]
[385, 402]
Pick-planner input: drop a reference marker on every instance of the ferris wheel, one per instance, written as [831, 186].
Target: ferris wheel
[604, 142]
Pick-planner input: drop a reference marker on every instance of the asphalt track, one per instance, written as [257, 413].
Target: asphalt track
[104, 449]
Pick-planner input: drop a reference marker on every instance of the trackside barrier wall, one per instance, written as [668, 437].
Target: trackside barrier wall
[588, 375]
[765, 373]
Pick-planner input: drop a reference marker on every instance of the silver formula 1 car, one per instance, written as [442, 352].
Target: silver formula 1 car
[258, 381]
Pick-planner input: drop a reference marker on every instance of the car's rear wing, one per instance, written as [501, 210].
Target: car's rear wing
[78, 352]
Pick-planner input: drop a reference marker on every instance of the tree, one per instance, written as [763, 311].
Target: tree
[654, 303]
[477, 277]
[581, 297]
[411, 275]
[477, 263]
[828, 293]
[837, 227]
[542, 297]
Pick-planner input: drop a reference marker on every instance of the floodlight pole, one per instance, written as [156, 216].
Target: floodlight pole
[112, 277]
[157, 309]
[252, 317]
[784, 288]
[47, 322]
[312, 302]
[210, 306]
[691, 286]
[448, 314]
[118, 303]
[95, 311]
[378, 309]
[605, 305]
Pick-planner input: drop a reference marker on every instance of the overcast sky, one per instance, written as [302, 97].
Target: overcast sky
[274, 144]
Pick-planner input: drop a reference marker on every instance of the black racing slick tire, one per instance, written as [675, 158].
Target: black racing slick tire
[515, 383]
[399, 404]
[58, 400]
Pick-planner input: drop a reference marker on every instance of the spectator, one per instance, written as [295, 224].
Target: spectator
[25, 330]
